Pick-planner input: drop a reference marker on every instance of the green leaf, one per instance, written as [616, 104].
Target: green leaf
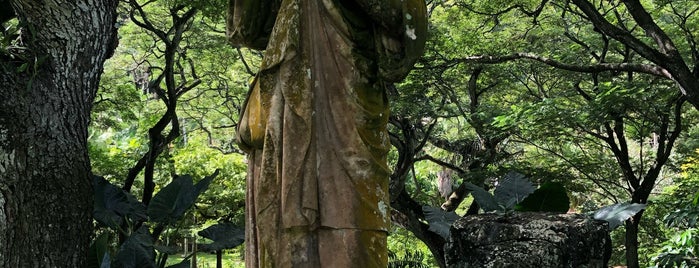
[22, 67]
[166, 249]
[685, 216]
[550, 197]
[514, 188]
[170, 203]
[224, 235]
[440, 221]
[113, 205]
[484, 199]
[616, 214]
[137, 251]
[98, 255]
[183, 264]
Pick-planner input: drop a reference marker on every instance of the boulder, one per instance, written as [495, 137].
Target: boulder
[528, 239]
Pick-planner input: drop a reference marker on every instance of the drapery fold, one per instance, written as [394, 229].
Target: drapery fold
[314, 125]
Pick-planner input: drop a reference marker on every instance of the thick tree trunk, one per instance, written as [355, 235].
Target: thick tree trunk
[46, 93]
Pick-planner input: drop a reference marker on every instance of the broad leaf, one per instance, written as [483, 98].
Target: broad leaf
[616, 214]
[98, 255]
[137, 251]
[170, 203]
[440, 221]
[183, 264]
[224, 235]
[166, 249]
[550, 197]
[514, 188]
[484, 199]
[113, 205]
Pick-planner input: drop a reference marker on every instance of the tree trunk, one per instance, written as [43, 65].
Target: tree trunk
[195, 251]
[46, 94]
[407, 213]
[631, 241]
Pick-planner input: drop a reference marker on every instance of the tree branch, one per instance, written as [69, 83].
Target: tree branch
[597, 68]
[619, 34]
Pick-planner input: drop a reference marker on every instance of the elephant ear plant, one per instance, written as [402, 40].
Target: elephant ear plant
[516, 193]
[224, 235]
[139, 226]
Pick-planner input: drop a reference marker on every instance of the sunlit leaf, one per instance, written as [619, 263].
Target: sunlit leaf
[616, 214]
[512, 189]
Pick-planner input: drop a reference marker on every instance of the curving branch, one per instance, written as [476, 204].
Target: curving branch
[521, 8]
[646, 22]
[683, 16]
[596, 68]
[666, 141]
[619, 34]
[666, 56]
[157, 140]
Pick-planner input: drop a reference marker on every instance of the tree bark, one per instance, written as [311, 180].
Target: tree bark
[407, 213]
[631, 241]
[46, 94]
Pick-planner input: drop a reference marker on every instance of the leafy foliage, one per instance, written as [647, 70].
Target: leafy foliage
[224, 236]
[410, 259]
[616, 214]
[114, 206]
[550, 197]
[686, 216]
[169, 96]
[98, 256]
[136, 251]
[485, 199]
[680, 251]
[538, 119]
[440, 221]
[513, 189]
[171, 202]
[513, 192]
[167, 208]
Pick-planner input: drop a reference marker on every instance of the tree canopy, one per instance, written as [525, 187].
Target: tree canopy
[595, 97]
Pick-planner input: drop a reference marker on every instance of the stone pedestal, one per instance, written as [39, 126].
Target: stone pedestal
[528, 240]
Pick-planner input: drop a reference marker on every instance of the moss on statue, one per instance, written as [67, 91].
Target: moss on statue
[314, 125]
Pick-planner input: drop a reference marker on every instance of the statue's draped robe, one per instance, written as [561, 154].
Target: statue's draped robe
[314, 125]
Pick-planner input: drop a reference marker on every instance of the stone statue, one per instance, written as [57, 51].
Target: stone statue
[314, 125]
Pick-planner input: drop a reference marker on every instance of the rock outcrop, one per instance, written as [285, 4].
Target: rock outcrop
[528, 240]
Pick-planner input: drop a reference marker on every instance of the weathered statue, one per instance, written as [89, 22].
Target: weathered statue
[314, 125]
